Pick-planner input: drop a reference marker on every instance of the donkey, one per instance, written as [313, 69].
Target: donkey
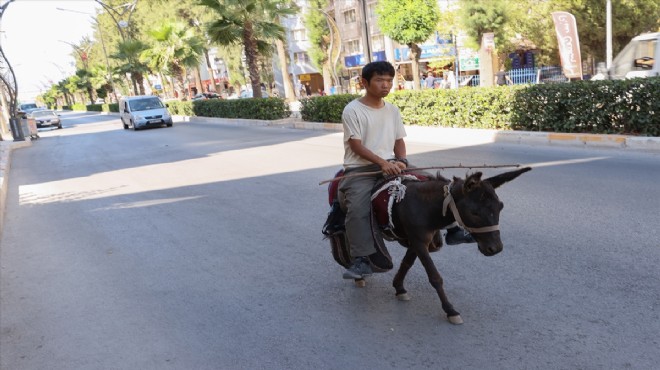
[437, 203]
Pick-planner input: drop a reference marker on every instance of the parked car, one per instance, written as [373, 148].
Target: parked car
[143, 111]
[248, 94]
[206, 96]
[45, 117]
[25, 108]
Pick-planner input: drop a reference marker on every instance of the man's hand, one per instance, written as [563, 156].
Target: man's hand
[401, 165]
[391, 168]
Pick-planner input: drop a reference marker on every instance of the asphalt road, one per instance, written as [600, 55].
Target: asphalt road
[199, 247]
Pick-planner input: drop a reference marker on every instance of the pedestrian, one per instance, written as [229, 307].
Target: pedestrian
[430, 79]
[308, 89]
[373, 142]
[502, 78]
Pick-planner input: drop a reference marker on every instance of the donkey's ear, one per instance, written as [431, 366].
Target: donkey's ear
[472, 181]
[500, 179]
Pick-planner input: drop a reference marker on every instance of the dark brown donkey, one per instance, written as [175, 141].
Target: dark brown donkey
[437, 203]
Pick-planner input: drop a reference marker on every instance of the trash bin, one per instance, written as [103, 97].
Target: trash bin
[30, 128]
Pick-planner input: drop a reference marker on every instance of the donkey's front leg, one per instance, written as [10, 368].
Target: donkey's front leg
[406, 264]
[436, 281]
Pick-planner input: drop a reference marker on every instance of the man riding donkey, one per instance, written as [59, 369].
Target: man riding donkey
[373, 146]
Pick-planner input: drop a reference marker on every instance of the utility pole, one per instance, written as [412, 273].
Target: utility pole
[608, 32]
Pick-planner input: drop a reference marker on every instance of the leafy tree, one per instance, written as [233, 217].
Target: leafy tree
[176, 47]
[253, 23]
[483, 16]
[629, 18]
[409, 22]
[129, 52]
[323, 40]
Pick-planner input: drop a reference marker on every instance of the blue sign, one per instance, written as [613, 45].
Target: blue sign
[379, 56]
[354, 60]
[428, 51]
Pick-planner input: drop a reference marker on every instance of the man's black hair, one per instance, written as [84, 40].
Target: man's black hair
[380, 68]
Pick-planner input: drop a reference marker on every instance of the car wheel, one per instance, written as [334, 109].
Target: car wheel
[125, 125]
[169, 125]
[59, 127]
[134, 127]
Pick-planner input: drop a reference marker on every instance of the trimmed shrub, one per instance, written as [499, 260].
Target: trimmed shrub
[252, 108]
[606, 107]
[179, 108]
[325, 108]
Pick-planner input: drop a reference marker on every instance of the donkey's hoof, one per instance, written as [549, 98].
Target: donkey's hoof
[403, 297]
[360, 283]
[456, 320]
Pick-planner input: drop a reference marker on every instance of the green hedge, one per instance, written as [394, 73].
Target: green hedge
[486, 108]
[325, 108]
[179, 108]
[630, 107]
[609, 107]
[254, 108]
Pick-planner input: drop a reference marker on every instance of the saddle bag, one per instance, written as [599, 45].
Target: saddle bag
[334, 227]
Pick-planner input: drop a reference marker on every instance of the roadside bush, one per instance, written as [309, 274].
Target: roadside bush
[79, 106]
[253, 108]
[325, 108]
[95, 107]
[607, 107]
[179, 108]
[485, 108]
[113, 107]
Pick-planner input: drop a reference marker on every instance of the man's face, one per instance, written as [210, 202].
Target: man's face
[380, 85]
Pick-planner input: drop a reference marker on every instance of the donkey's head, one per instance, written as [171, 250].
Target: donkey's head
[479, 207]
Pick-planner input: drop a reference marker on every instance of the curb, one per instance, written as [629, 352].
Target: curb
[6, 148]
[463, 136]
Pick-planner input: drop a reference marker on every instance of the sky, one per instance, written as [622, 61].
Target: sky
[30, 38]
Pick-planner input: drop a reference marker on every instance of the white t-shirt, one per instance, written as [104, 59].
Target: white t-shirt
[377, 128]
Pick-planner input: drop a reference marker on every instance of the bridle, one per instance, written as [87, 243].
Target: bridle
[449, 202]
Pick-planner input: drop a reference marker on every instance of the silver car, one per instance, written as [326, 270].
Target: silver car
[45, 117]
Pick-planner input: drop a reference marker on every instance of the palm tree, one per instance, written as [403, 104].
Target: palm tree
[128, 53]
[175, 48]
[253, 23]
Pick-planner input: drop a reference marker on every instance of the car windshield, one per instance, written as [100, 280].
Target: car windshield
[145, 104]
[28, 106]
[42, 113]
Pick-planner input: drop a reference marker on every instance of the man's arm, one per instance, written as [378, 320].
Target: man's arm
[387, 167]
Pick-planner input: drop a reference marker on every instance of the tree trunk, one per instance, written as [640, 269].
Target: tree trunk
[289, 94]
[250, 45]
[198, 80]
[415, 52]
[214, 88]
[327, 77]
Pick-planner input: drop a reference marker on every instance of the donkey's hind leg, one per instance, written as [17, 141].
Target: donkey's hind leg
[436, 281]
[406, 264]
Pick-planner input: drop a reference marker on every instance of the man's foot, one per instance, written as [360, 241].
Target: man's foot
[359, 269]
[458, 236]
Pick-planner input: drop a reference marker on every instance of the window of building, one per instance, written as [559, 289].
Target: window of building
[377, 42]
[300, 34]
[301, 57]
[371, 11]
[353, 47]
[349, 16]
